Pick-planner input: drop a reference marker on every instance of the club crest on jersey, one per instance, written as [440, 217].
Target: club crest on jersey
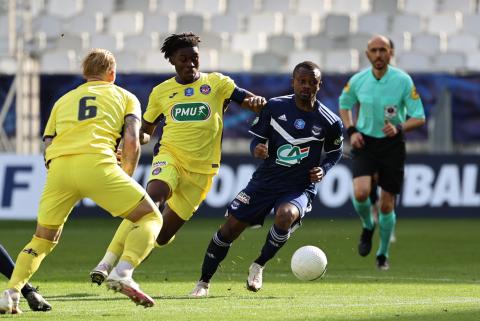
[244, 198]
[190, 112]
[316, 131]
[156, 170]
[205, 89]
[189, 91]
[299, 124]
[288, 155]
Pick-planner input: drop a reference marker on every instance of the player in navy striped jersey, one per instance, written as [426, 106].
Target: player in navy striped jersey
[289, 135]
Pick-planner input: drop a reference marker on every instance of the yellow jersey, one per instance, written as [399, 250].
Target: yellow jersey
[193, 119]
[89, 120]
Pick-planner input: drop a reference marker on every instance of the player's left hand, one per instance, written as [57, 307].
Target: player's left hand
[389, 129]
[255, 103]
[119, 157]
[316, 174]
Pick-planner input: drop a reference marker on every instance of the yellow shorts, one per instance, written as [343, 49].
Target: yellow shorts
[188, 189]
[98, 177]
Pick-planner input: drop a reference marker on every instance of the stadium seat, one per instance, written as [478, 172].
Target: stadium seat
[270, 23]
[244, 7]
[58, 61]
[103, 40]
[463, 43]
[157, 22]
[349, 6]
[146, 41]
[374, 23]
[50, 26]
[471, 24]
[337, 25]
[296, 57]
[302, 24]
[63, 8]
[72, 41]
[473, 61]
[386, 6]
[411, 23]
[253, 41]
[93, 6]
[231, 61]
[230, 23]
[208, 59]
[155, 62]
[128, 61]
[126, 22]
[281, 44]
[448, 23]
[3, 26]
[341, 61]
[272, 6]
[4, 46]
[268, 62]
[319, 7]
[190, 22]
[211, 40]
[414, 62]
[8, 65]
[144, 6]
[398, 40]
[463, 6]
[85, 23]
[449, 62]
[426, 43]
[210, 6]
[319, 42]
[423, 8]
[169, 6]
[357, 41]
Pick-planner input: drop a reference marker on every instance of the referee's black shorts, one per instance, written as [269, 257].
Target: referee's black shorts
[385, 156]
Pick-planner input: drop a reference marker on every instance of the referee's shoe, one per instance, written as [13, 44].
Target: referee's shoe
[365, 245]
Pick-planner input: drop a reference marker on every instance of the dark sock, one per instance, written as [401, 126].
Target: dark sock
[216, 252]
[7, 266]
[276, 238]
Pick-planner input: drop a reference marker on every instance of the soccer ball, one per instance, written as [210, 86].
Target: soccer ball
[309, 263]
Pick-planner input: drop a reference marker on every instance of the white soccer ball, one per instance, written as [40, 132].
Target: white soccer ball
[309, 263]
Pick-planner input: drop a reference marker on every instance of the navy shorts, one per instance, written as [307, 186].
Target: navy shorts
[252, 204]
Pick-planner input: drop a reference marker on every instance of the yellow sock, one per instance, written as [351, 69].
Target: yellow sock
[29, 260]
[118, 242]
[141, 239]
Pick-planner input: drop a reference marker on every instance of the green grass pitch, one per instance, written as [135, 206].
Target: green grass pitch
[434, 275]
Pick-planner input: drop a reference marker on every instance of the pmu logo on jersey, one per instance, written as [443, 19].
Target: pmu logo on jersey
[190, 112]
[288, 155]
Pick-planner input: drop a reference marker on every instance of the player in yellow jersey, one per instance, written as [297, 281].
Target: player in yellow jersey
[188, 155]
[81, 138]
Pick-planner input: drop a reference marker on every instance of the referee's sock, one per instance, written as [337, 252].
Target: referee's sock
[387, 226]
[364, 210]
[217, 251]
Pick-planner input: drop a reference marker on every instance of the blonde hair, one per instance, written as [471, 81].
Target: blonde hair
[97, 63]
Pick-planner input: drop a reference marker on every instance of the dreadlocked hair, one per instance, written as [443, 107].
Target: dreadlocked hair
[177, 41]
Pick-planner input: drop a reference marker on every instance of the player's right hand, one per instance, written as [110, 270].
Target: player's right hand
[357, 140]
[119, 157]
[261, 151]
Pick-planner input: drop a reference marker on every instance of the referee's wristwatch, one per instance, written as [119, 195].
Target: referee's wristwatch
[351, 130]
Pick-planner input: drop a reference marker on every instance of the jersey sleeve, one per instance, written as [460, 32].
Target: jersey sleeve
[333, 146]
[226, 85]
[51, 128]
[412, 100]
[348, 98]
[133, 106]
[261, 124]
[154, 108]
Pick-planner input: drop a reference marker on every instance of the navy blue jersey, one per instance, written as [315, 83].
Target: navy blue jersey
[296, 139]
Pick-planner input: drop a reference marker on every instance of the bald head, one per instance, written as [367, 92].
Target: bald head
[379, 53]
[378, 40]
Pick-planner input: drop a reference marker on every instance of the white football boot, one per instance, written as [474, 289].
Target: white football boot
[200, 290]
[128, 287]
[255, 277]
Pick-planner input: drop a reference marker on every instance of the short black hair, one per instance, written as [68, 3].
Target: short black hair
[306, 65]
[176, 41]
[390, 42]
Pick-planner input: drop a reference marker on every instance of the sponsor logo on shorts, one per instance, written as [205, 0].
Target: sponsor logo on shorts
[234, 205]
[244, 198]
[190, 112]
[205, 89]
[159, 163]
[288, 155]
[156, 170]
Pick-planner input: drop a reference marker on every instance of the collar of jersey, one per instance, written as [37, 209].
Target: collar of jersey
[95, 83]
[384, 78]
